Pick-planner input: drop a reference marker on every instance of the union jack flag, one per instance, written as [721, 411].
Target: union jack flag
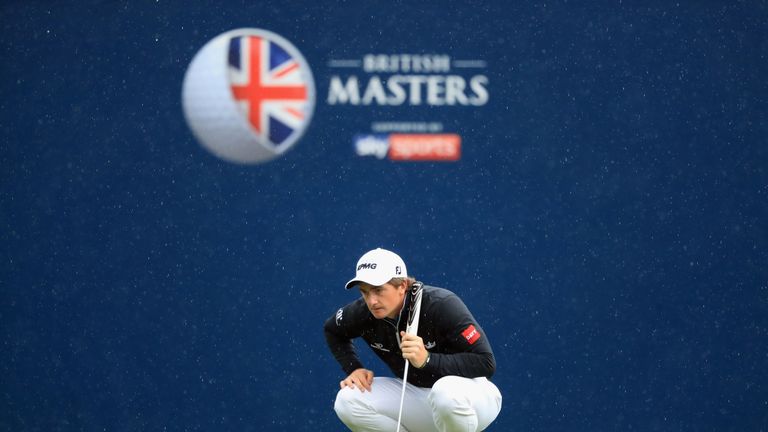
[269, 87]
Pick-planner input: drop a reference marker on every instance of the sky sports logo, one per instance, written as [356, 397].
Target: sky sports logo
[410, 147]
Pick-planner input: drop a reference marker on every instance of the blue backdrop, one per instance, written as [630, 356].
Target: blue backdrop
[607, 222]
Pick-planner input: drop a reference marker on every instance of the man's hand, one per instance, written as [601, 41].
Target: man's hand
[360, 379]
[413, 349]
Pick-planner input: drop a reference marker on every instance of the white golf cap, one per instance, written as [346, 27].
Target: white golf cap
[377, 267]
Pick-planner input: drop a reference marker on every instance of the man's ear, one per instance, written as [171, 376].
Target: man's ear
[404, 285]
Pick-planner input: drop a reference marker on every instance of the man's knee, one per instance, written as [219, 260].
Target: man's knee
[345, 402]
[349, 404]
[447, 397]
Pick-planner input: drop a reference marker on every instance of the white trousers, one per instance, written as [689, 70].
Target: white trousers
[453, 404]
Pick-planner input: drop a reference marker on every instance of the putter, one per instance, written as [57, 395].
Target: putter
[411, 328]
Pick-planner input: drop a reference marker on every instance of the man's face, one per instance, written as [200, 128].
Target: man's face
[383, 301]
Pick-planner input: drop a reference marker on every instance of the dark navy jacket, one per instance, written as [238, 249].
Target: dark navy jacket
[456, 342]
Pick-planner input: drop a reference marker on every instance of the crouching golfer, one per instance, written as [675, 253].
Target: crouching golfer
[450, 356]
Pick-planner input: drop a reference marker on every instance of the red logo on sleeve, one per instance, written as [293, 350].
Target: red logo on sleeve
[471, 334]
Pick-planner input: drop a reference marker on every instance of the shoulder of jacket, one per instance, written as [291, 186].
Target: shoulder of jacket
[355, 310]
[438, 298]
[437, 293]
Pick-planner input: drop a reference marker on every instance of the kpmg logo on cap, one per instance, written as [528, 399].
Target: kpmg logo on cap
[273, 86]
[371, 266]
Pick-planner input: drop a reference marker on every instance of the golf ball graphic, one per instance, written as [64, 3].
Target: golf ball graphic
[248, 96]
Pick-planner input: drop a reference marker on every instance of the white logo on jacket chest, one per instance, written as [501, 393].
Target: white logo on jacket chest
[379, 346]
[339, 316]
[429, 345]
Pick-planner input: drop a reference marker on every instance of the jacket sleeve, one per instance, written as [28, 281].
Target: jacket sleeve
[340, 329]
[469, 352]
